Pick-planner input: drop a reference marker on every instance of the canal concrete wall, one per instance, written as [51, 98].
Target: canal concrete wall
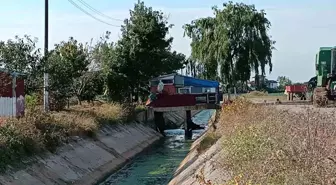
[205, 164]
[88, 161]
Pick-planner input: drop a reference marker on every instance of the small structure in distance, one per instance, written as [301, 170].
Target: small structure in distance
[180, 91]
[11, 94]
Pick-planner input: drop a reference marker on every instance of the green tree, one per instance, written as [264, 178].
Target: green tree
[21, 55]
[66, 63]
[235, 40]
[283, 81]
[143, 52]
[201, 70]
[88, 86]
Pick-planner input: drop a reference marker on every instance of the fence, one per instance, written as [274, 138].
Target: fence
[11, 106]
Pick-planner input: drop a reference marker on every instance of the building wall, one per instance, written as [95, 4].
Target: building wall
[168, 89]
[9, 105]
[273, 85]
[5, 85]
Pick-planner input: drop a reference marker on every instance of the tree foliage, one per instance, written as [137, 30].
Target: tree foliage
[21, 55]
[200, 69]
[67, 62]
[143, 52]
[235, 41]
[283, 81]
[88, 86]
[121, 68]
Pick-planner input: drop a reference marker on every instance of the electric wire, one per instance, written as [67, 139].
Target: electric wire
[97, 11]
[87, 13]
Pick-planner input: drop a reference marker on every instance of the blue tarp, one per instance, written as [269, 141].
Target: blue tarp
[190, 81]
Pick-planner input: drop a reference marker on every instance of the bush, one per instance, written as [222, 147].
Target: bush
[31, 101]
[140, 108]
[39, 132]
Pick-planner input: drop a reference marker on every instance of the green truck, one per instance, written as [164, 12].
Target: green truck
[323, 85]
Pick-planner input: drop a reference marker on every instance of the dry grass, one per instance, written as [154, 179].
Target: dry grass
[258, 97]
[37, 132]
[256, 94]
[269, 146]
[101, 112]
[209, 139]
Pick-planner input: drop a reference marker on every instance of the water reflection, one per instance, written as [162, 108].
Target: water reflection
[157, 165]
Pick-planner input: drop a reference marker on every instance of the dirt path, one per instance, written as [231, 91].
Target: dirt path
[297, 108]
[305, 108]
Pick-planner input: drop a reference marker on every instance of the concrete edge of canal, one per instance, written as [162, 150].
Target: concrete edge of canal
[87, 161]
[194, 162]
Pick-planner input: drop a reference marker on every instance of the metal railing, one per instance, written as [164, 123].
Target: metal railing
[209, 98]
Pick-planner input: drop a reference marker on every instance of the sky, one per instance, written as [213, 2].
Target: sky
[299, 27]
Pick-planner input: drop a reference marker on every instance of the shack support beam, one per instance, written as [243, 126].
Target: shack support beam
[159, 122]
[188, 125]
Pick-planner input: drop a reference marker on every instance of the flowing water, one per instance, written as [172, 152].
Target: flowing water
[156, 166]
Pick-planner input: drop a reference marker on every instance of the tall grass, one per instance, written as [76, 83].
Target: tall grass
[263, 145]
[38, 132]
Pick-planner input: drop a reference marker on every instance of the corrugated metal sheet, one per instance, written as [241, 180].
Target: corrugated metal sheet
[11, 104]
[7, 106]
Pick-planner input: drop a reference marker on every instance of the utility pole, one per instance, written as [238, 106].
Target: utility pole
[46, 79]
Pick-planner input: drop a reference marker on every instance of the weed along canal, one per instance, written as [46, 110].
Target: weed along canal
[156, 166]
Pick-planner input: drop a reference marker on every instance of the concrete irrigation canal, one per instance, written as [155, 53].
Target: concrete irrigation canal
[156, 166]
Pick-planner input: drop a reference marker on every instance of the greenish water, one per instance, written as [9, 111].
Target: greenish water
[156, 166]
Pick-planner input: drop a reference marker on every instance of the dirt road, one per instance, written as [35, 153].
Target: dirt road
[299, 107]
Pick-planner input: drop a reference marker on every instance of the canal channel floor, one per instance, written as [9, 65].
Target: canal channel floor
[156, 165]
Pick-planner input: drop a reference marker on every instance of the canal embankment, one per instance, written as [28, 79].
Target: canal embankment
[88, 160]
[256, 144]
[201, 160]
[157, 164]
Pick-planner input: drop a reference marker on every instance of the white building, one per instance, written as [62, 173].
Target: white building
[272, 84]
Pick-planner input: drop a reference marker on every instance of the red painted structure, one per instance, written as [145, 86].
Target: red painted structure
[176, 100]
[179, 100]
[296, 88]
[182, 91]
[6, 85]
[167, 89]
[10, 92]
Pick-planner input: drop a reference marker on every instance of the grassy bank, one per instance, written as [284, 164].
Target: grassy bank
[258, 96]
[38, 132]
[263, 145]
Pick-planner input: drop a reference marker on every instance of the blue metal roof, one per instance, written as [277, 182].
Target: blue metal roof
[190, 81]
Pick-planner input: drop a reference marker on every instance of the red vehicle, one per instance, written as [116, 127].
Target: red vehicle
[297, 90]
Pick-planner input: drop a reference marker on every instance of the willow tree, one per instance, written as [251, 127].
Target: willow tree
[200, 69]
[235, 40]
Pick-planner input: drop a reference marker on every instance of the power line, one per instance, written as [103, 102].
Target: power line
[87, 13]
[97, 11]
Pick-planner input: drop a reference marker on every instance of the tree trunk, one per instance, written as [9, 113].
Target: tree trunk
[228, 89]
[79, 100]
